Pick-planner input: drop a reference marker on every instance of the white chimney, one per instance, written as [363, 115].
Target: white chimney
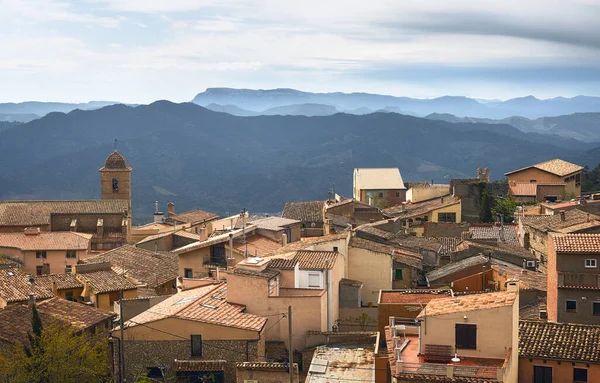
[284, 239]
[158, 215]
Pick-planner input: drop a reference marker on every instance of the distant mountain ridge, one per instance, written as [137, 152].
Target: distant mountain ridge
[199, 158]
[530, 107]
[41, 108]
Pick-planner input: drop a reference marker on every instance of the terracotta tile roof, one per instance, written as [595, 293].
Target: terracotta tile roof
[412, 296]
[283, 263]
[372, 229]
[378, 178]
[274, 223]
[310, 211]
[180, 233]
[102, 279]
[309, 259]
[199, 365]
[49, 240]
[145, 266]
[258, 245]
[206, 304]
[351, 282]
[115, 161]
[468, 303]
[529, 278]
[268, 366]
[415, 243]
[459, 269]
[63, 281]
[400, 255]
[448, 244]
[7, 263]
[37, 213]
[15, 323]
[492, 232]
[193, 216]
[78, 315]
[265, 274]
[563, 341]
[307, 243]
[497, 247]
[556, 166]
[575, 219]
[523, 189]
[416, 209]
[576, 243]
[15, 287]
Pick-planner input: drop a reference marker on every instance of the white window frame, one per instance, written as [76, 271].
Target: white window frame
[591, 263]
[318, 275]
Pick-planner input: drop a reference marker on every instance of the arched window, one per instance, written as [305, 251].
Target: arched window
[115, 185]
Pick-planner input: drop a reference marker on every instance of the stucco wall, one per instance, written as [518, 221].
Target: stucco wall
[416, 194]
[561, 371]
[57, 259]
[373, 269]
[544, 177]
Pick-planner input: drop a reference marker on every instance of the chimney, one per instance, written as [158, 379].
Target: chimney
[32, 231]
[562, 215]
[54, 288]
[158, 215]
[524, 263]
[170, 209]
[31, 301]
[100, 228]
[284, 239]
[512, 286]
[218, 274]
[86, 293]
[588, 217]
[442, 199]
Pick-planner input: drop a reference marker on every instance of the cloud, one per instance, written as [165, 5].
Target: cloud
[36, 11]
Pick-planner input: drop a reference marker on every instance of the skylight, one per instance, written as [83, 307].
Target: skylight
[208, 306]
[185, 300]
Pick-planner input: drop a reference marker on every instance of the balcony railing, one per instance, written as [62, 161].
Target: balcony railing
[450, 370]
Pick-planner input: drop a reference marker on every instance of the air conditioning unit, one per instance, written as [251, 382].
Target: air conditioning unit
[531, 264]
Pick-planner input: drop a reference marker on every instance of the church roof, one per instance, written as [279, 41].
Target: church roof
[115, 161]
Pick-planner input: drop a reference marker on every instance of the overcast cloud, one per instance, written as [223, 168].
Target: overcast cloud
[144, 50]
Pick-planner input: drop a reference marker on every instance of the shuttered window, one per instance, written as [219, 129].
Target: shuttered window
[466, 336]
[196, 345]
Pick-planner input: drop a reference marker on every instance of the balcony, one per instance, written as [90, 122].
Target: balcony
[578, 280]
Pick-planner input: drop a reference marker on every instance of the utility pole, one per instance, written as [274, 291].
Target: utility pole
[290, 349]
[122, 341]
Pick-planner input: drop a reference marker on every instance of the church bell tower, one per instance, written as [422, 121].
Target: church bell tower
[115, 178]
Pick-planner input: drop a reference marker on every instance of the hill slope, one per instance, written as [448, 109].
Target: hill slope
[223, 163]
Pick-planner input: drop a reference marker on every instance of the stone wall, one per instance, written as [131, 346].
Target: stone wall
[140, 354]
[133, 307]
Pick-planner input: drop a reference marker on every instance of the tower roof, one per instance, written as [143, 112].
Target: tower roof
[115, 162]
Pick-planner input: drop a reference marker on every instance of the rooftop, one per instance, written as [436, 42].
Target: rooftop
[256, 244]
[193, 216]
[495, 232]
[554, 222]
[528, 279]
[283, 263]
[577, 243]
[416, 209]
[15, 321]
[351, 282]
[199, 365]
[411, 296]
[15, 286]
[37, 213]
[339, 364]
[562, 341]
[309, 211]
[115, 161]
[466, 303]
[207, 304]
[179, 233]
[265, 274]
[458, 270]
[307, 243]
[102, 278]
[400, 255]
[274, 223]
[556, 166]
[152, 268]
[63, 281]
[49, 240]
[378, 179]
[309, 259]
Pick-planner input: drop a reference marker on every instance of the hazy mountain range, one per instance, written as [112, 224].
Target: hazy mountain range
[196, 157]
[529, 107]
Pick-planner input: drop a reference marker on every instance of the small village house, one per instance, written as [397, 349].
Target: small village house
[381, 187]
[423, 191]
[311, 215]
[411, 217]
[102, 286]
[65, 286]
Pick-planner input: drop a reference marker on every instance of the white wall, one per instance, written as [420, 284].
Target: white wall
[303, 279]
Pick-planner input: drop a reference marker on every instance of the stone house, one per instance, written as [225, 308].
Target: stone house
[573, 278]
[381, 187]
[412, 217]
[278, 229]
[194, 333]
[554, 179]
[154, 272]
[558, 352]
[65, 286]
[311, 215]
[40, 252]
[469, 338]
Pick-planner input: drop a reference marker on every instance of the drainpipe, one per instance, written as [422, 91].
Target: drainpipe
[329, 297]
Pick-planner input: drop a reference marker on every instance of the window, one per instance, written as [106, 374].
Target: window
[580, 375]
[196, 345]
[69, 296]
[577, 179]
[542, 374]
[71, 253]
[532, 181]
[68, 269]
[273, 285]
[398, 274]
[115, 185]
[571, 306]
[591, 263]
[466, 336]
[187, 273]
[314, 280]
[397, 194]
[335, 249]
[380, 195]
[595, 308]
[40, 254]
[39, 270]
[446, 217]
[154, 372]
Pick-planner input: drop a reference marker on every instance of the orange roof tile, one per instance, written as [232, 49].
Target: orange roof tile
[258, 245]
[193, 216]
[556, 166]
[49, 240]
[316, 259]
[468, 303]
[412, 296]
[576, 243]
[15, 286]
[63, 281]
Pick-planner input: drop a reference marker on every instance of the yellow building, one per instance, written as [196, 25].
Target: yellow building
[102, 286]
[412, 216]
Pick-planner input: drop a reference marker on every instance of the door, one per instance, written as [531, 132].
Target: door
[542, 374]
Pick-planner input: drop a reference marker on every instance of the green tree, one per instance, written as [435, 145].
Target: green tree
[506, 207]
[56, 353]
[485, 210]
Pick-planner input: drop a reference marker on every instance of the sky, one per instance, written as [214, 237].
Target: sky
[139, 51]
